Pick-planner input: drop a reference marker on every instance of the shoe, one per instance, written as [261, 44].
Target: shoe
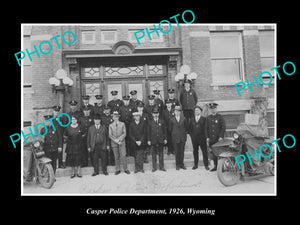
[94, 174]
[136, 171]
[78, 175]
[63, 165]
[206, 167]
[146, 161]
[163, 169]
[153, 170]
[143, 171]
[213, 169]
[72, 176]
[117, 172]
[183, 167]
[194, 167]
[105, 173]
[127, 171]
[177, 167]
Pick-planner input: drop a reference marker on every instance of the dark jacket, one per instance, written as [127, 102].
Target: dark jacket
[215, 127]
[167, 116]
[137, 132]
[91, 138]
[178, 129]
[157, 132]
[53, 139]
[97, 109]
[198, 132]
[115, 104]
[126, 114]
[188, 99]
[86, 122]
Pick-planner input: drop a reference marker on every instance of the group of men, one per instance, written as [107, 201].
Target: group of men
[128, 127]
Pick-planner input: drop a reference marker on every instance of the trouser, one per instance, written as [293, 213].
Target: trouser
[179, 153]
[62, 155]
[120, 155]
[157, 149]
[203, 146]
[85, 153]
[53, 156]
[146, 153]
[188, 114]
[169, 143]
[214, 157]
[102, 154]
[139, 159]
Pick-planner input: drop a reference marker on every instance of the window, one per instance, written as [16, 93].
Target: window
[132, 38]
[266, 44]
[154, 36]
[108, 36]
[88, 37]
[226, 57]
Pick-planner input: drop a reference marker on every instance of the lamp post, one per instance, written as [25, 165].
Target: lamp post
[185, 74]
[60, 83]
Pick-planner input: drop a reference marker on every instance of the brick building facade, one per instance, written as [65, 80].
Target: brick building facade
[105, 57]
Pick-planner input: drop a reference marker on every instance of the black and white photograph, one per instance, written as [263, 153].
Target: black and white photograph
[147, 109]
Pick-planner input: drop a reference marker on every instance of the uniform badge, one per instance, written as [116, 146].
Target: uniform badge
[191, 93]
[144, 118]
[117, 104]
[129, 110]
[216, 121]
[90, 120]
[159, 124]
[53, 132]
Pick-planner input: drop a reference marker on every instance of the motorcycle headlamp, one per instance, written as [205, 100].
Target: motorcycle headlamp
[235, 136]
[37, 144]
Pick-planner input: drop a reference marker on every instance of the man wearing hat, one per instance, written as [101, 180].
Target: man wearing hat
[134, 101]
[85, 121]
[197, 125]
[178, 127]
[64, 120]
[158, 101]
[188, 100]
[157, 137]
[150, 105]
[106, 119]
[115, 103]
[86, 104]
[117, 134]
[53, 142]
[145, 118]
[73, 109]
[126, 117]
[97, 145]
[171, 98]
[98, 107]
[137, 135]
[167, 115]
[215, 129]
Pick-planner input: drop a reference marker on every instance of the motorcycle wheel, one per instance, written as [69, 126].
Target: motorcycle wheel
[226, 165]
[46, 177]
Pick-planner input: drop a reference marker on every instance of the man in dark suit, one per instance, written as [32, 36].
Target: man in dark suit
[178, 127]
[134, 101]
[126, 117]
[167, 115]
[106, 119]
[215, 129]
[198, 137]
[150, 105]
[86, 104]
[145, 118]
[85, 121]
[53, 142]
[188, 100]
[97, 145]
[157, 138]
[158, 102]
[137, 135]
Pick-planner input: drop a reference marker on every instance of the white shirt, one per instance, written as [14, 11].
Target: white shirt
[198, 118]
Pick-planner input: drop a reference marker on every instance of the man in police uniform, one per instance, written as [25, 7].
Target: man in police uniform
[126, 117]
[53, 142]
[98, 107]
[86, 104]
[134, 101]
[115, 103]
[188, 100]
[215, 129]
[86, 121]
[158, 101]
[106, 119]
[167, 115]
[150, 106]
[73, 109]
[172, 99]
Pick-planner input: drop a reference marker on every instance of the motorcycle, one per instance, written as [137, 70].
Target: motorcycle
[37, 167]
[228, 171]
